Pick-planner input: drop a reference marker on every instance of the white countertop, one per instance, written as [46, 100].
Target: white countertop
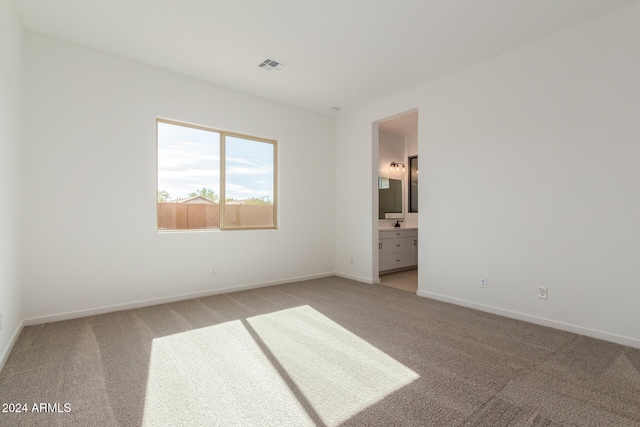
[396, 228]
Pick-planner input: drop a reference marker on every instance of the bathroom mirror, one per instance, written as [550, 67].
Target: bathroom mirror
[413, 184]
[389, 198]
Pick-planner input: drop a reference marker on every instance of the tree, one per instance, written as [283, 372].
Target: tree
[207, 193]
[260, 201]
[163, 196]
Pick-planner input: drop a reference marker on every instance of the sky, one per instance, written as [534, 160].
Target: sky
[189, 159]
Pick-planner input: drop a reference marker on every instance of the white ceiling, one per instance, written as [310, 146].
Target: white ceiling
[344, 53]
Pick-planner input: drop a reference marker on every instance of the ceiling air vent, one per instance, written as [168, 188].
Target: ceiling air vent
[271, 64]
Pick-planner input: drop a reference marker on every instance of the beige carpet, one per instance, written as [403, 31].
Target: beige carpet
[321, 352]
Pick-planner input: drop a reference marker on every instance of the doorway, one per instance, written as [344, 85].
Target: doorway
[395, 146]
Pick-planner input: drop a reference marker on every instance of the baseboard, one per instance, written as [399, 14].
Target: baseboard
[164, 300]
[580, 330]
[12, 342]
[357, 278]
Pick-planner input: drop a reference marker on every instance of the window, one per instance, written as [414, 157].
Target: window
[211, 179]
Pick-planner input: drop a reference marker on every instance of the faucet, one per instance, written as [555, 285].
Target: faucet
[398, 223]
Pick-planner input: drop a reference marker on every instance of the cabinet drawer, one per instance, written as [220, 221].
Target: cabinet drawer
[390, 234]
[394, 234]
[397, 246]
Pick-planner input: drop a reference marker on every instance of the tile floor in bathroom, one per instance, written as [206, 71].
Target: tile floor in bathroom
[406, 280]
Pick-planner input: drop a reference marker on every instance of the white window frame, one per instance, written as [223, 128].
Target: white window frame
[222, 168]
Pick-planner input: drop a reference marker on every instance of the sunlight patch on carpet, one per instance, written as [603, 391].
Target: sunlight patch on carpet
[339, 373]
[283, 368]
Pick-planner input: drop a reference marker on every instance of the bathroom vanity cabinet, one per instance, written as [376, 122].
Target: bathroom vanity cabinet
[398, 249]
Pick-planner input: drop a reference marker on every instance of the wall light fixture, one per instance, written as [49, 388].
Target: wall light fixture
[396, 166]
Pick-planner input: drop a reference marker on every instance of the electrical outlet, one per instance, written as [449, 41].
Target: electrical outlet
[542, 292]
[483, 282]
[214, 271]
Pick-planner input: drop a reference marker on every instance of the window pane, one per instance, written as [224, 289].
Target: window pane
[249, 183]
[188, 177]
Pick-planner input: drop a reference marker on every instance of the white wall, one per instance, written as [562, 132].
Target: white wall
[356, 170]
[529, 176]
[90, 178]
[10, 175]
[391, 148]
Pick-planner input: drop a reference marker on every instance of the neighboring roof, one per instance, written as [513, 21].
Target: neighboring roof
[196, 200]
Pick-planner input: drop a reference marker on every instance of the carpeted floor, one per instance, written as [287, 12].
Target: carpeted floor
[321, 352]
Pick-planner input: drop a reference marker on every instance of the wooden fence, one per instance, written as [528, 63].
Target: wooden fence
[183, 216]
